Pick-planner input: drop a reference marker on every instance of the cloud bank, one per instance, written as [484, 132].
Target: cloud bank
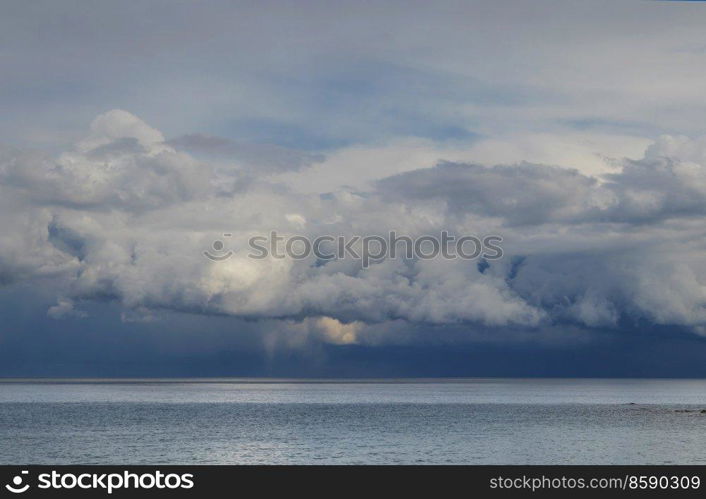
[125, 215]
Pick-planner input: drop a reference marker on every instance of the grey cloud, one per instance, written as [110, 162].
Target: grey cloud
[116, 148]
[521, 194]
[259, 159]
[121, 163]
[655, 189]
[670, 181]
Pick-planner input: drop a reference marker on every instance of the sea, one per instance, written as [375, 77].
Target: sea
[258, 421]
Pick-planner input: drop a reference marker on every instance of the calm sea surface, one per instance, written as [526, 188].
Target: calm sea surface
[283, 422]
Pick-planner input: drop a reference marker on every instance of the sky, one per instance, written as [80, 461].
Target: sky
[135, 134]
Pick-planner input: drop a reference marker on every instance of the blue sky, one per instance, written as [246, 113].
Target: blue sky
[133, 135]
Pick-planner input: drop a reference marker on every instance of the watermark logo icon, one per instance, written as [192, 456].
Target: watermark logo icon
[219, 253]
[16, 486]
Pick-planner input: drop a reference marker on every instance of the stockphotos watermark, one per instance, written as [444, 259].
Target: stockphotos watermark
[365, 249]
[108, 482]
